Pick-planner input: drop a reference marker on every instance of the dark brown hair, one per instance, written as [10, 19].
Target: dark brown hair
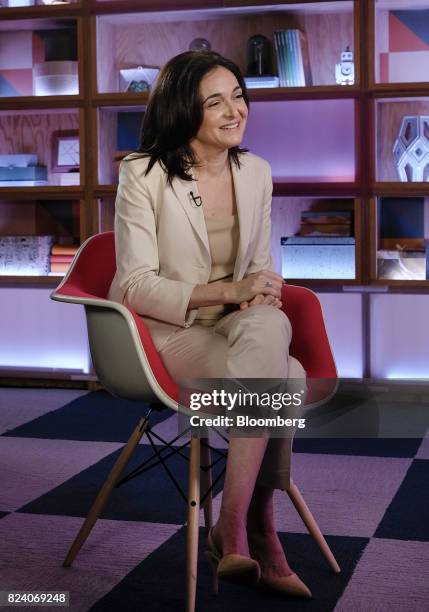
[175, 112]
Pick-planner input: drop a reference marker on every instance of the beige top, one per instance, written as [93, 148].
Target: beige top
[223, 234]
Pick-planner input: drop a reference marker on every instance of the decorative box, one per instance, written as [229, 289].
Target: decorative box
[319, 257]
[18, 160]
[29, 173]
[55, 79]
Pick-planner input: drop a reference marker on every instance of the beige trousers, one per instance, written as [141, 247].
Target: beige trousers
[250, 343]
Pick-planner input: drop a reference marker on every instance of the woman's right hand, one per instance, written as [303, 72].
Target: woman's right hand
[263, 282]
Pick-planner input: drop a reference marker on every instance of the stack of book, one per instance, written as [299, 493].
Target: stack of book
[61, 257]
[326, 223]
[293, 60]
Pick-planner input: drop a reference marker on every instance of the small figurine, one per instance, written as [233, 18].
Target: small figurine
[345, 70]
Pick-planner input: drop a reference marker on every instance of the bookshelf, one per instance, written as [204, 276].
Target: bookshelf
[345, 133]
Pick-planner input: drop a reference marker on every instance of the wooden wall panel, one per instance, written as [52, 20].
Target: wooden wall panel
[152, 44]
[17, 218]
[107, 127]
[32, 133]
[107, 70]
[328, 35]
[106, 214]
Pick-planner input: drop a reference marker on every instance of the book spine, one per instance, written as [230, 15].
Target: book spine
[59, 267]
[286, 53]
[289, 57]
[279, 59]
[294, 58]
[58, 249]
[61, 258]
[299, 61]
[283, 58]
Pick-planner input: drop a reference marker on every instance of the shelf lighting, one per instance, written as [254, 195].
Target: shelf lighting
[407, 375]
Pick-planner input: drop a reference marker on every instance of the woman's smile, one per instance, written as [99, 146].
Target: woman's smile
[224, 111]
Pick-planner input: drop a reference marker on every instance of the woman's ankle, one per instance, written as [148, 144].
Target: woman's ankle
[267, 549]
[230, 535]
[260, 528]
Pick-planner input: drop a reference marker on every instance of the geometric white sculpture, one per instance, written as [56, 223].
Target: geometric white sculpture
[411, 149]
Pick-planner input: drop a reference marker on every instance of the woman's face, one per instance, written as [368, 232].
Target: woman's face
[224, 108]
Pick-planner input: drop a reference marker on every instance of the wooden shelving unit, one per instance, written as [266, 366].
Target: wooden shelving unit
[125, 33]
[121, 32]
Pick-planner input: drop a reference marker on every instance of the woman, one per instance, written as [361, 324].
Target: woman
[192, 232]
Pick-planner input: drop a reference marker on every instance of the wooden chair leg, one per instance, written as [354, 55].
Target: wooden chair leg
[105, 491]
[193, 524]
[206, 483]
[313, 528]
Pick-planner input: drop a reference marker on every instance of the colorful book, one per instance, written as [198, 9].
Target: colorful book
[61, 258]
[279, 58]
[59, 249]
[288, 59]
[293, 60]
[59, 267]
[325, 229]
[295, 57]
[326, 216]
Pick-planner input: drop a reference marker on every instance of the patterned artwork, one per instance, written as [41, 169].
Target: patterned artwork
[19, 51]
[406, 57]
[68, 152]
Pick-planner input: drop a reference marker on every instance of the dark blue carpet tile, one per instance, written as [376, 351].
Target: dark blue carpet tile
[2, 514]
[368, 447]
[95, 416]
[407, 517]
[158, 583]
[149, 497]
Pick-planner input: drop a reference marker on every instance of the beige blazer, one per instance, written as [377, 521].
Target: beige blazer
[162, 246]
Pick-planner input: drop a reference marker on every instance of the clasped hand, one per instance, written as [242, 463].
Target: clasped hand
[263, 287]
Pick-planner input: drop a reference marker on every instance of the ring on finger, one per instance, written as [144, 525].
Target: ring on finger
[268, 284]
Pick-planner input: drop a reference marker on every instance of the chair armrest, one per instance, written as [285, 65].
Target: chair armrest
[310, 343]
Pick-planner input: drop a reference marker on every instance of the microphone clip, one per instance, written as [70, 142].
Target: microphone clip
[196, 200]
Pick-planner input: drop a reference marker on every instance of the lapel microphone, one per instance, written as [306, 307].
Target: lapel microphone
[196, 200]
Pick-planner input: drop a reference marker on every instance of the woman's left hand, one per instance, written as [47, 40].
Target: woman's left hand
[269, 300]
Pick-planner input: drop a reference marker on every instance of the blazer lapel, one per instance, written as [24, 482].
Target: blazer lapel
[245, 200]
[194, 213]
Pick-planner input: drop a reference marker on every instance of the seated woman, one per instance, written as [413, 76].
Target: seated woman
[192, 233]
